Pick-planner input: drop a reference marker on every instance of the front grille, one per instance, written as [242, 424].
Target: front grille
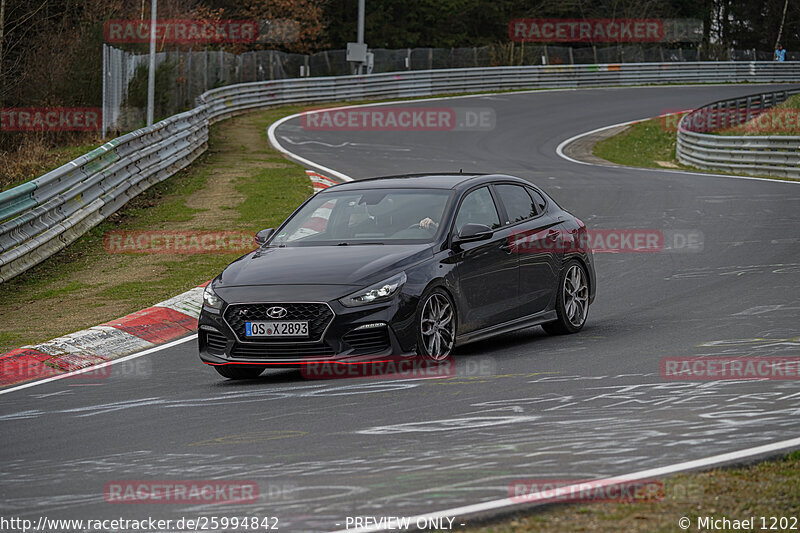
[215, 342]
[368, 340]
[318, 316]
[281, 350]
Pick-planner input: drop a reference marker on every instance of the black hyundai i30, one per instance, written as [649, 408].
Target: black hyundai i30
[401, 265]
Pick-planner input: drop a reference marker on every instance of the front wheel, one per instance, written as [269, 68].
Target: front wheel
[239, 371]
[572, 304]
[436, 325]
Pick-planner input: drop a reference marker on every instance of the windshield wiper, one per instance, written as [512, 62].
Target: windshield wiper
[345, 243]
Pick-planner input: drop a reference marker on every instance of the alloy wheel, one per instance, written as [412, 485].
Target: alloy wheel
[437, 326]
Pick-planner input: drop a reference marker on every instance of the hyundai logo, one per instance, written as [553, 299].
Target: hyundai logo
[277, 312]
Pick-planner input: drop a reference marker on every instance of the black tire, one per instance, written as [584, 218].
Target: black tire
[570, 319]
[445, 325]
[239, 371]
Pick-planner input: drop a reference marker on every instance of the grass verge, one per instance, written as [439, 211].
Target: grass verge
[767, 489]
[783, 119]
[240, 184]
[644, 144]
[648, 144]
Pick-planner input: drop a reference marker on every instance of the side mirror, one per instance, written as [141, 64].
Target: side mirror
[473, 232]
[263, 236]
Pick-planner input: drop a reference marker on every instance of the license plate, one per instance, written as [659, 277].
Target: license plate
[278, 328]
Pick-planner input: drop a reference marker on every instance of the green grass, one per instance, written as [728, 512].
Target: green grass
[69, 288]
[648, 144]
[641, 145]
[793, 102]
[782, 124]
[274, 195]
[770, 488]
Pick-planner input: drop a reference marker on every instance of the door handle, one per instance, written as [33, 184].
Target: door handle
[506, 248]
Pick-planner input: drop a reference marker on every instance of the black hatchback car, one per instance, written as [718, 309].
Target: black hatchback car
[402, 265]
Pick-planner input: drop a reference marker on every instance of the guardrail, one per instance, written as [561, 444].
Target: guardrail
[41, 217]
[771, 155]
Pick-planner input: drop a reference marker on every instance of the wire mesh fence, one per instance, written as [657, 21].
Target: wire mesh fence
[183, 75]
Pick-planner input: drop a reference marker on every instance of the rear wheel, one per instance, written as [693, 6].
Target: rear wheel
[572, 305]
[239, 371]
[436, 325]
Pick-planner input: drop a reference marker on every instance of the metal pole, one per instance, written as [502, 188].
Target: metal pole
[105, 91]
[151, 78]
[360, 37]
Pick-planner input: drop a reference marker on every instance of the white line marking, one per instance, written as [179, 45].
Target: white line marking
[550, 495]
[274, 142]
[101, 365]
[559, 150]
[561, 154]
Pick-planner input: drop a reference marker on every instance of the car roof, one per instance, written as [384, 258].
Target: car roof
[424, 181]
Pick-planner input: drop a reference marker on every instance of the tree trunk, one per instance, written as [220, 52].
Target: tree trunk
[777, 41]
[2, 36]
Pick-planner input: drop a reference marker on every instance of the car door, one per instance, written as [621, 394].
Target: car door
[536, 237]
[486, 271]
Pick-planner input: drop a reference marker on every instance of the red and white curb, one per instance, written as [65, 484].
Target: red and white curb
[159, 324]
[320, 182]
[142, 330]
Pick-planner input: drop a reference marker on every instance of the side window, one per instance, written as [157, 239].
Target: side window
[478, 208]
[539, 199]
[518, 203]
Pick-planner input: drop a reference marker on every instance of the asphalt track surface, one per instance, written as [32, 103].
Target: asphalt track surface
[524, 405]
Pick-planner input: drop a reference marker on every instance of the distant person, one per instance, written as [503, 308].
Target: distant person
[780, 54]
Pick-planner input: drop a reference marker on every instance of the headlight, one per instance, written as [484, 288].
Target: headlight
[210, 298]
[376, 293]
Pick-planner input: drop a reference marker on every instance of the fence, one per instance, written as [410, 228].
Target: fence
[186, 74]
[43, 216]
[772, 155]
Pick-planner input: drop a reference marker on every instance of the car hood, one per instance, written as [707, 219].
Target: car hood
[354, 265]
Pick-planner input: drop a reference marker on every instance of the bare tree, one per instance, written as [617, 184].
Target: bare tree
[2, 28]
[780, 29]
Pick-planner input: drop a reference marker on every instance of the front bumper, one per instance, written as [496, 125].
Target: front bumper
[353, 334]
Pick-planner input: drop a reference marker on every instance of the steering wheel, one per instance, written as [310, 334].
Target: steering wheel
[430, 227]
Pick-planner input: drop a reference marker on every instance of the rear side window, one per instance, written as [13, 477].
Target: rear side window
[518, 203]
[541, 203]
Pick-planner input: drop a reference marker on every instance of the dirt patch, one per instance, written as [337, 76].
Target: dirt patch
[238, 149]
[581, 148]
[666, 164]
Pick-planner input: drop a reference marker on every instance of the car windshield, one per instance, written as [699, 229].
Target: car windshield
[375, 216]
